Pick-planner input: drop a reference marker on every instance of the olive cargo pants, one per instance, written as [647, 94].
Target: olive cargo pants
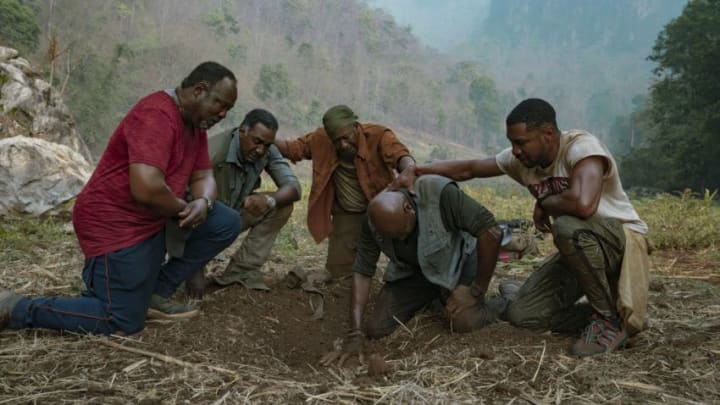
[590, 253]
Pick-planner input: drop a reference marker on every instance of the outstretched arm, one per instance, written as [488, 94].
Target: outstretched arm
[360, 293]
[296, 149]
[460, 170]
[406, 178]
[363, 270]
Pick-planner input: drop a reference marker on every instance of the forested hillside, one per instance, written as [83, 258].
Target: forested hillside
[674, 133]
[587, 57]
[592, 59]
[295, 57]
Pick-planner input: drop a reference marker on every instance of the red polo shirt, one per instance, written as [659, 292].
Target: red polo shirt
[106, 217]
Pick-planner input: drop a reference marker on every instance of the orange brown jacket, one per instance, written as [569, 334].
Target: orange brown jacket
[379, 152]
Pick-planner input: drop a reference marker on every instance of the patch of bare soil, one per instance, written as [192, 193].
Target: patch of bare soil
[264, 347]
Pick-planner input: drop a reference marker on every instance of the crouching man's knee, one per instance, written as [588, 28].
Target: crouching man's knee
[564, 229]
[127, 324]
[524, 317]
[225, 222]
[128, 331]
[514, 315]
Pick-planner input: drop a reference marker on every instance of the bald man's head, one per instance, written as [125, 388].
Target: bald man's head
[392, 214]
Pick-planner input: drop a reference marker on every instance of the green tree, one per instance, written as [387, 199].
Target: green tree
[484, 96]
[18, 25]
[273, 83]
[222, 22]
[685, 102]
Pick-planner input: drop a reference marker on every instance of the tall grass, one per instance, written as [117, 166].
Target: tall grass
[687, 221]
[22, 237]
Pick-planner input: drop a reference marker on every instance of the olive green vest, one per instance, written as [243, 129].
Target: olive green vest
[441, 254]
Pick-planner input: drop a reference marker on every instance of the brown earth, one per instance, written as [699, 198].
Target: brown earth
[264, 347]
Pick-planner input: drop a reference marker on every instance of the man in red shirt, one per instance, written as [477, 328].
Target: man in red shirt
[133, 210]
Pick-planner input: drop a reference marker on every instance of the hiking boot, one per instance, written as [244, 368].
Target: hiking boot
[508, 292]
[571, 320]
[509, 289]
[522, 243]
[8, 300]
[497, 306]
[602, 335]
[164, 308]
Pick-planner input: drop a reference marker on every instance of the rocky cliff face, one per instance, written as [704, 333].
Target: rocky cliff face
[43, 161]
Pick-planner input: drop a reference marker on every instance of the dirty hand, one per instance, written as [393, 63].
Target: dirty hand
[195, 285]
[352, 345]
[256, 204]
[194, 214]
[460, 299]
[541, 219]
[406, 179]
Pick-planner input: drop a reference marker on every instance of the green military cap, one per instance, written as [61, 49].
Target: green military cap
[338, 117]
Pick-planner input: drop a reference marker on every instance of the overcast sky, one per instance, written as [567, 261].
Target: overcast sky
[440, 24]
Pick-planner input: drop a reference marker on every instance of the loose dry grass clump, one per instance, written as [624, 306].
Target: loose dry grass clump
[689, 221]
[254, 347]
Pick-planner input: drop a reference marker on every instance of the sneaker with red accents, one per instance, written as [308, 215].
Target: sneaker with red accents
[602, 335]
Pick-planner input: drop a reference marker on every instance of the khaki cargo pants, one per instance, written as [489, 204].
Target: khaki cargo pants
[255, 249]
[588, 262]
[343, 240]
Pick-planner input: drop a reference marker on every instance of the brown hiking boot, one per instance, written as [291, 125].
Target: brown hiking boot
[602, 335]
[8, 300]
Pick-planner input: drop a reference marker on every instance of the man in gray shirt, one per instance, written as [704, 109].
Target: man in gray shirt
[239, 157]
[441, 244]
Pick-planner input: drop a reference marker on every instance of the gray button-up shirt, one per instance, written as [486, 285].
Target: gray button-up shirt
[236, 177]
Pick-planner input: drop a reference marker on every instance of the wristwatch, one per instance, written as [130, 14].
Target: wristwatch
[475, 291]
[271, 203]
[210, 203]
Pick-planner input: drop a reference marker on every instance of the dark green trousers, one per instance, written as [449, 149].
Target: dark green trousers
[588, 261]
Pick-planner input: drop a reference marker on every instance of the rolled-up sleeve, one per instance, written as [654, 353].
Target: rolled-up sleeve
[392, 149]
[460, 212]
[296, 149]
[368, 252]
[280, 171]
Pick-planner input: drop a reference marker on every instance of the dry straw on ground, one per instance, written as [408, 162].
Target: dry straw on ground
[254, 347]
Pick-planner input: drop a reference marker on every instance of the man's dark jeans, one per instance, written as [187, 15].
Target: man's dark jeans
[120, 284]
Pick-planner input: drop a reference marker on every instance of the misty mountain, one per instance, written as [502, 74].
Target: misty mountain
[614, 26]
[439, 24]
[587, 57]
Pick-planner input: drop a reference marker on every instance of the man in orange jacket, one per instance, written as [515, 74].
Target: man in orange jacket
[352, 162]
